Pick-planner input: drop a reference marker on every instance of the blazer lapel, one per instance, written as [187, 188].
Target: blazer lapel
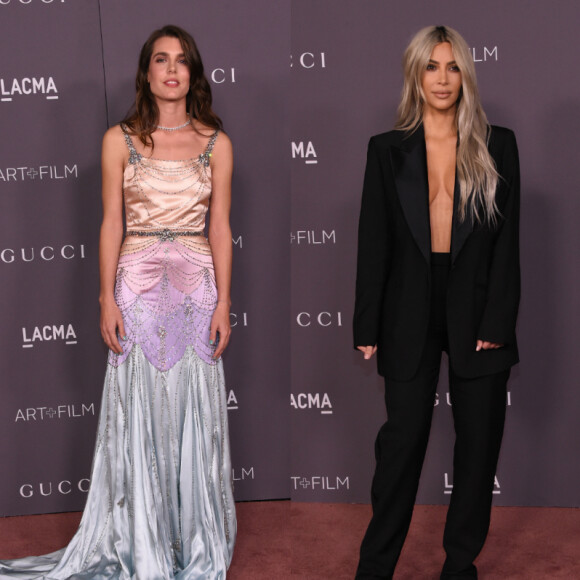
[410, 172]
[460, 230]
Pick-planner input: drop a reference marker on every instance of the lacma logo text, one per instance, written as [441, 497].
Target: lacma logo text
[305, 152]
[449, 485]
[9, 88]
[312, 401]
[232, 402]
[48, 332]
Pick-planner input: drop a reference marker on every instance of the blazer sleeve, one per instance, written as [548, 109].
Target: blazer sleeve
[372, 252]
[498, 322]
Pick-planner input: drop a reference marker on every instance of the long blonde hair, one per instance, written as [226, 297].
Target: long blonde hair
[476, 170]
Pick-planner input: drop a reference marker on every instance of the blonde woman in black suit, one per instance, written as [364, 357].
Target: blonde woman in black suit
[438, 270]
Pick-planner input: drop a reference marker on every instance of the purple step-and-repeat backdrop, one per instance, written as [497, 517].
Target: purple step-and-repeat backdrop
[67, 72]
[346, 80]
[304, 408]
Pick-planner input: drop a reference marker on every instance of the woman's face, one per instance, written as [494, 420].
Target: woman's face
[441, 80]
[168, 73]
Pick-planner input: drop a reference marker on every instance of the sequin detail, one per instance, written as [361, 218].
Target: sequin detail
[205, 156]
[165, 235]
[165, 194]
[165, 284]
[167, 296]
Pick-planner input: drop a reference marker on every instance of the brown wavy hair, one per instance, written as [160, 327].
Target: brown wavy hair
[143, 117]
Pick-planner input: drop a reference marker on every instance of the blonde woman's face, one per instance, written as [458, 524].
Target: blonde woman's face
[441, 81]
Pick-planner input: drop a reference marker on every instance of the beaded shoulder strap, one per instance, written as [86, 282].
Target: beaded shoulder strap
[134, 157]
[205, 156]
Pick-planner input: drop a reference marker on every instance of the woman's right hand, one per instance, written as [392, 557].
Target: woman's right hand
[367, 351]
[112, 325]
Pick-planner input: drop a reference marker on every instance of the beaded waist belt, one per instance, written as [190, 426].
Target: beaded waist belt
[165, 235]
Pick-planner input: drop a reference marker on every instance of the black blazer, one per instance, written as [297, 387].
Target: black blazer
[393, 268]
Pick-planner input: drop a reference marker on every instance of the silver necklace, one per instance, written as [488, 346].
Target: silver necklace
[188, 122]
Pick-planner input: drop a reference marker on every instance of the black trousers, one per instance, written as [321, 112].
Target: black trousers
[478, 407]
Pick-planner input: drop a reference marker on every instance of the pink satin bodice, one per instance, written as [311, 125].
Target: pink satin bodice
[161, 194]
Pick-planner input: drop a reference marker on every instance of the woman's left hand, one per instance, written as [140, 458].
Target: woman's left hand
[220, 323]
[486, 345]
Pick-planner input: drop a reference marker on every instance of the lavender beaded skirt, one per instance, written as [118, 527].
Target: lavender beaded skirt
[160, 503]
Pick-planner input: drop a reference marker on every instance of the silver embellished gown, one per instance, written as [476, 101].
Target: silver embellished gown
[160, 503]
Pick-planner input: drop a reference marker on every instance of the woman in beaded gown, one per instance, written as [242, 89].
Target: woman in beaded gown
[160, 503]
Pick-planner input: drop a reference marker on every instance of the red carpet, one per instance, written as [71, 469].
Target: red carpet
[280, 540]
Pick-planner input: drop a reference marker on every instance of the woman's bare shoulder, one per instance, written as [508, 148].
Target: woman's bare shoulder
[202, 129]
[223, 142]
[114, 144]
[114, 136]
